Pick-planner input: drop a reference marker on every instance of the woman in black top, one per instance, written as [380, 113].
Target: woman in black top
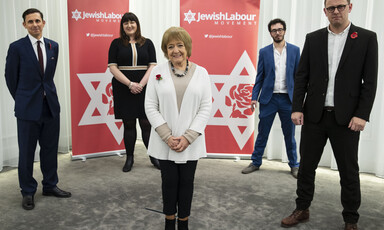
[131, 59]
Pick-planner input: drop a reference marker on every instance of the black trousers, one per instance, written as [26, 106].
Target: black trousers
[345, 143]
[177, 187]
[130, 133]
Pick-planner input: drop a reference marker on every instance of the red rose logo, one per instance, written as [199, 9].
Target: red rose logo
[354, 35]
[240, 97]
[108, 98]
[158, 77]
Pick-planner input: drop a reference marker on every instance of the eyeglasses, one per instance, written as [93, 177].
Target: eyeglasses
[340, 8]
[274, 31]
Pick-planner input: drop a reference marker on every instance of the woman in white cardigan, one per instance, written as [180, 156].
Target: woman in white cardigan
[178, 104]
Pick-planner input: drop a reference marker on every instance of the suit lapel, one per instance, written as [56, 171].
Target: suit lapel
[271, 59]
[49, 53]
[324, 50]
[288, 66]
[348, 47]
[32, 54]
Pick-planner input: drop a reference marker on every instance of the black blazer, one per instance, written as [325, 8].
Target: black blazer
[355, 80]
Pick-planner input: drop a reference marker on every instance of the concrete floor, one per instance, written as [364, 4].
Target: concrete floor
[103, 197]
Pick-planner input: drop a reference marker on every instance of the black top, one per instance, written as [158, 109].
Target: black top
[132, 60]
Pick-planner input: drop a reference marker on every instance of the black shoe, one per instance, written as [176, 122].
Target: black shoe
[128, 163]
[155, 162]
[28, 202]
[57, 193]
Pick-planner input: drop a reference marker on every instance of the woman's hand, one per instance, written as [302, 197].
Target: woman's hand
[182, 144]
[172, 142]
[136, 88]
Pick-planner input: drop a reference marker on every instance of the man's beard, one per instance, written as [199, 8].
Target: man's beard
[278, 40]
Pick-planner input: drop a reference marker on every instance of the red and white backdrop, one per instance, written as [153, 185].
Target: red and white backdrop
[92, 26]
[224, 41]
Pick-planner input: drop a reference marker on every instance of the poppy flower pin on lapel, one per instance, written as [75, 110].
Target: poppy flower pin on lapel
[354, 35]
[158, 77]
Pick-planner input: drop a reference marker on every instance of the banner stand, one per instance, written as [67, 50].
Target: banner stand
[92, 26]
[237, 157]
[84, 157]
[226, 33]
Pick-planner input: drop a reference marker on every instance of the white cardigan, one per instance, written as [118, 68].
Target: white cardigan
[195, 111]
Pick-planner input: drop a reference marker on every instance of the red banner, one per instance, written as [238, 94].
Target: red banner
[224, 35]
[92, 25]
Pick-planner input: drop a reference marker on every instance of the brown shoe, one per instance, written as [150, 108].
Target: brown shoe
[250, 168]
[297, 216]
[349, 226]
[295, 171]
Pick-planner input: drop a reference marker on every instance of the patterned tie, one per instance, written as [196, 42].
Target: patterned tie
[40, 55]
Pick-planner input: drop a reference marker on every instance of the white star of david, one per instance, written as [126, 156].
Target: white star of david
[96, 104]
[76, 15]
[189, 17]
[219, 94]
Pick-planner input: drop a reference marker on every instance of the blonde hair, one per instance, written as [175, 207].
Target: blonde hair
[176, 33]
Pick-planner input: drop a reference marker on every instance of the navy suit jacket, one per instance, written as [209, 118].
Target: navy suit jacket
[355, 80]
[27, 83]
[265, 78]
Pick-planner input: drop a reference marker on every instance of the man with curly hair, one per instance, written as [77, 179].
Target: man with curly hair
[273, 89]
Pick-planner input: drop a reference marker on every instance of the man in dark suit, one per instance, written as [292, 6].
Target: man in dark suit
[29, 71]
[273, 89]
[335, 87]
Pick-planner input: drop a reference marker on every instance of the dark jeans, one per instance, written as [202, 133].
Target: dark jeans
[344, 144]
[281, 104]
[177, 187]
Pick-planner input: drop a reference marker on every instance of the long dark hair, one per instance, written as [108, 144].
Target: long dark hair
[129, 16]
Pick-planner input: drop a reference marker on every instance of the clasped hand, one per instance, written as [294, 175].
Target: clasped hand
[136, 88]
[178, 144]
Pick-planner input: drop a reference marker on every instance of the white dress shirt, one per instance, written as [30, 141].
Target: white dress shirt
[336, 43]
[280, 70]
[42, 46]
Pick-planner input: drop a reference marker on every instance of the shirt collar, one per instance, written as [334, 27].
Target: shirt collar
[285, 45]
[346, 30]
[34, 40]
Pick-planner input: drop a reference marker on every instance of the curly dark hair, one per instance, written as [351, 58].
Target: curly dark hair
[275, 21]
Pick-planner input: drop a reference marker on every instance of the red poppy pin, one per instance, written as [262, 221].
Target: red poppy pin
[158, 77]
[50, 46]
[354, 35]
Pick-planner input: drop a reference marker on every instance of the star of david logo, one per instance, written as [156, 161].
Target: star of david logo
[76, 15]
[243, 73]
[99, 110]
[189, 17]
